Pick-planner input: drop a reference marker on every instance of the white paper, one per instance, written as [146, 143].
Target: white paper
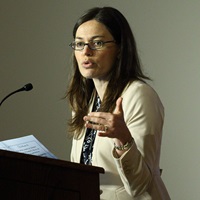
[28, 145]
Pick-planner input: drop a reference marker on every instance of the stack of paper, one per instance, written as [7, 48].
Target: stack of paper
[28, 145]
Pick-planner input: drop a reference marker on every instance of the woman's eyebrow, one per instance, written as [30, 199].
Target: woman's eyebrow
[92, 38]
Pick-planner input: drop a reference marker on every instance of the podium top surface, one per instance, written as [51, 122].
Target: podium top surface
[49, 161]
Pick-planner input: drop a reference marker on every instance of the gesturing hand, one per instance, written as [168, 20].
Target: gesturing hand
[110, 125]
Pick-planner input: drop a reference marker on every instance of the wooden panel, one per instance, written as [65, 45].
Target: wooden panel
[30, 177]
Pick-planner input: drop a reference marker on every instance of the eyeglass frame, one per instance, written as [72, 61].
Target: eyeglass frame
[88, 44]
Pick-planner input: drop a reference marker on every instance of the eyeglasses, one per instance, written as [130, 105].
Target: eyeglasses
[94, 45]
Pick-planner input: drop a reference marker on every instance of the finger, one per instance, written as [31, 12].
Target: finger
[99, 114]
[98, 117]
[99, 127]
[94, 120]
[118, 108]
[103, 134]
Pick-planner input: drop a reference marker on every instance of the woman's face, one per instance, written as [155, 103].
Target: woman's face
[95, 64]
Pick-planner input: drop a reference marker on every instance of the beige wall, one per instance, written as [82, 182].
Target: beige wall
[34, 37]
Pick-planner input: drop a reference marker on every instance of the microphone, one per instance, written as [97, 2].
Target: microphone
[26, 87]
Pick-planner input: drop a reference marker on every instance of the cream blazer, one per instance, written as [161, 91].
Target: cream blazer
[136, 174]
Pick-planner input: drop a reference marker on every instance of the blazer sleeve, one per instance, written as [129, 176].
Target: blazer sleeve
[143, 113]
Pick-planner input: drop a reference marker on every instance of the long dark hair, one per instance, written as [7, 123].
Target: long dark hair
[127, 69]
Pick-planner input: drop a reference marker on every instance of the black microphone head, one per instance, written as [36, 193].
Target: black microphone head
[28, 87]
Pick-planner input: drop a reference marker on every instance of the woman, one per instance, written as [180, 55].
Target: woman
[117, 117]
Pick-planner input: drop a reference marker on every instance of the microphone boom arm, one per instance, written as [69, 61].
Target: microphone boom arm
[27, 87]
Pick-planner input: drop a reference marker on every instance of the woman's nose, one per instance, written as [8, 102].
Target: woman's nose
[87, 51]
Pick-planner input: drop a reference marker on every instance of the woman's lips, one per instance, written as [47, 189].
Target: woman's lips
[87, 64]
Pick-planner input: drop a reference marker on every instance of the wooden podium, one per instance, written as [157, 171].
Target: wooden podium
[28, 177]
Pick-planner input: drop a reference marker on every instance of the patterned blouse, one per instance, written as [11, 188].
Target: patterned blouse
[86, 156]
